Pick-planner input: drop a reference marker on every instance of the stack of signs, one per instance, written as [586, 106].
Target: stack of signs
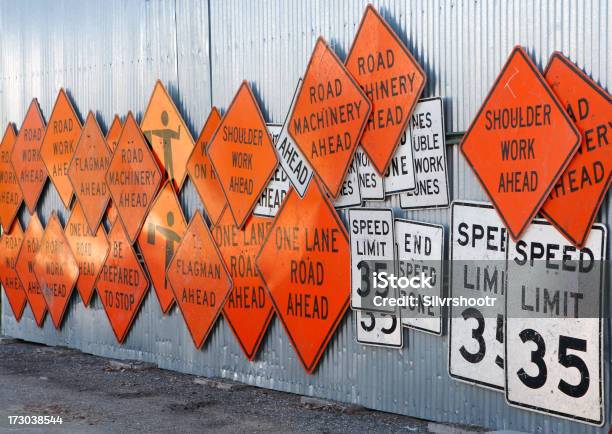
[429, 152]
[478, 254]
[420, 254]
[276, 190]
[372, 254]
[554, 334]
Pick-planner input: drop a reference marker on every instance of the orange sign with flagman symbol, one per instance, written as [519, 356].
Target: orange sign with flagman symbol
[304, 262]
[520, 142]
[167, 133]
[330, 114]
[199, 279]
[59, 144]
[89, 249]
[202, 173]
[29, 167]
[133, 178]
[10, 243]
[24, 267]
[248, 309]
[588, 176]
[242, 154]
[161, 235]
[122, 283]
[56, 270]
[10, 193]
[391, 78]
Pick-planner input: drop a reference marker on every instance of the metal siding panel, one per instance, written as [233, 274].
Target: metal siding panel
[108, 56]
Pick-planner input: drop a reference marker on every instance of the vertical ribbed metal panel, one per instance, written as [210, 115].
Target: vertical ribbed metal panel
[108, 56]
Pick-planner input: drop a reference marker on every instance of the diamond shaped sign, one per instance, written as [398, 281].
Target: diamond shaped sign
[87, 172]
[29, 167]
[59, 144]
[242, 154]
[248, 309]
[10, 243]
[164, 128]
[122, 283]
[199, 279]
[133, 178]
[161, 235]
[112, 139]
[201, 171]
[89, 250]
[10, 193]
[391, 78]
[56, 270]
[520, 142]
[24, 268]
[305, 263]
[330, 114]
[588, 176]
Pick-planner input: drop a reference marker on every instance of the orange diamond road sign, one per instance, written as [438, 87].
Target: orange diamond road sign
[199, 279]
[112, 138]
[576, 198]
[10, 243]
[10, 193]
[56, 270]
[87, 172]
[201, 171]
[133, 178]
[305, 263]
[122, 283]
[330, 114]
[242, 154]
[161, 235]
[391, 78]
[24, 268]
[520, 142]
[29, 168]
[59, 144]
[89, 250]
[248, 309]
[167, 133]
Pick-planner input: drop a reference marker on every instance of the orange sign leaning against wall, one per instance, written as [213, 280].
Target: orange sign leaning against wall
[29, 168]
[588, 176]
[10, 243]
[56, 270]
[122, 283]
[520, 142]
[89, 250]
[164, 128]
[133, 178]
[391, 78]
[24, 268]
[112, 139]
[10, 193]
[248, 309]
[199, 279]
[242, 154]
[202, 173]
[330, 114]
[304, 262]
[87, 172]
[59, 144]
[161, 235]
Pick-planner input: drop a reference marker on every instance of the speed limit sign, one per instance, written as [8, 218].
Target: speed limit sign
[379, 329]
[553, 334]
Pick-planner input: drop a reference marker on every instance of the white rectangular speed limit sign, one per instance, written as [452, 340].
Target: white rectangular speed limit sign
[554, 346]
[478, 260]
[378, 329]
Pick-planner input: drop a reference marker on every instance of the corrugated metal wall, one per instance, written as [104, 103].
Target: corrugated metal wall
[108, 56]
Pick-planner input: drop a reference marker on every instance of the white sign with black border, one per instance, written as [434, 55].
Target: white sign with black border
[400, 175]
[429, 150]
[349, 194]
[478, 242]
[554, 331]
[378, 329]
[273, 195]
[371, 184]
